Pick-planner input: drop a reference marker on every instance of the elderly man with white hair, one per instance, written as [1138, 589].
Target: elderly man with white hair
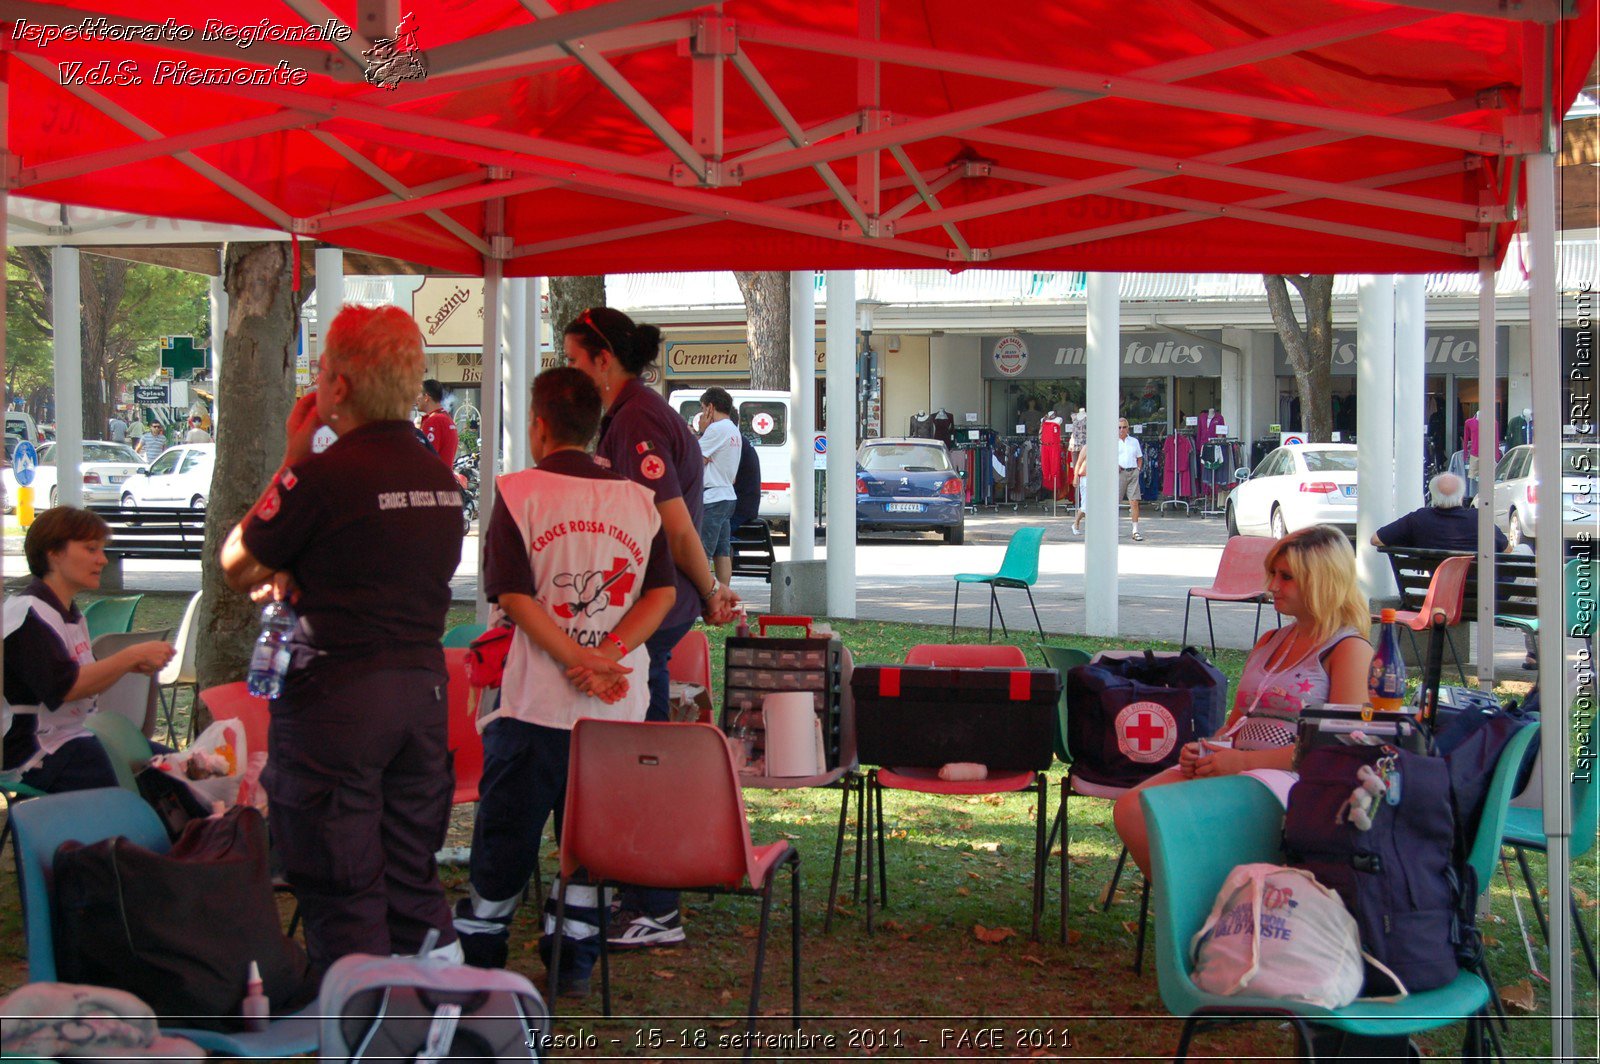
[1444, 524]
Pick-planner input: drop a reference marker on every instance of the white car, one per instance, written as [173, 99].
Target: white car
[180, 476]
[1296, 486]
[106, 467]
[1516, 492]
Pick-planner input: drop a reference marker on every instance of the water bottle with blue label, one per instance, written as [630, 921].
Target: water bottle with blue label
[269, 664]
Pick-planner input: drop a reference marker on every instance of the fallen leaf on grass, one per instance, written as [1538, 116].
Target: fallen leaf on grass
[787, 835]
[1030, 959]
[992, 935]
[664, 973]
[1131, 926]
[1583, 899]
[890, 925]
[747, 931]
[987, 847]
[1490, 940]
[1518, 995]
[726, 995]
[963, 892]
[994, 799]
[1073, 937]
[965, 825]
[530, 945]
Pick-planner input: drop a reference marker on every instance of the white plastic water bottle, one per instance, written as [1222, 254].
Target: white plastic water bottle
[269, 663]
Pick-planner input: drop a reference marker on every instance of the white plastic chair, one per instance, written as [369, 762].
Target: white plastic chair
[180, 671]
[134, 695]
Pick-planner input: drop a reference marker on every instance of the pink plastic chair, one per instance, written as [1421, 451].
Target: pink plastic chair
[691, 662]
[925, 779]
[1241, 577]
[631, 788]
[466, 745]
[1446, 598]
[233, 701]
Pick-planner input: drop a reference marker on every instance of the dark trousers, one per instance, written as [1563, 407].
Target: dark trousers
[359, 780]
[78, 765]
[654, 902]
[524, 783]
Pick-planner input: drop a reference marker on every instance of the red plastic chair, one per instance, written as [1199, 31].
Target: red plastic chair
[233, 701]
[691, 662]
[925, 779]
[630, 790]
[1446, 598]
[1241, 577]
[466, 745]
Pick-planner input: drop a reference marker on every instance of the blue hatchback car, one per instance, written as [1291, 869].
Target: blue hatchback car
[908, 484]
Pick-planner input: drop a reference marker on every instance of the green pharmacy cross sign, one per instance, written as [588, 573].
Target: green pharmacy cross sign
[182, 357]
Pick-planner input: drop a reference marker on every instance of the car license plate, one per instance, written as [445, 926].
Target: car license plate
[116, 479]
[1350, 491]
[903, 507]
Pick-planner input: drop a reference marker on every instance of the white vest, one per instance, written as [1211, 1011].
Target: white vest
[61, 725]
[588, 541]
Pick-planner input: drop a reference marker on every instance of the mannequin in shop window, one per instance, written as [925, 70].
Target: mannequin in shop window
[944, 426]
[1519, 430]
[1051, 429]
[1030, 417]
[922, 425]
[1206, 426]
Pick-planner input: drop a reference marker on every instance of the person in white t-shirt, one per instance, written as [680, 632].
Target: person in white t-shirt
[720, 447]
[1130, 460]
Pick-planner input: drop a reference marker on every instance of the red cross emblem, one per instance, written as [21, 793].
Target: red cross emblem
[1146, 732]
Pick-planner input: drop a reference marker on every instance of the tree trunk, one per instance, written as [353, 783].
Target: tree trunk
[1310, 348]
[103, 282]
[766, 308]
[571, 296]
[256, 389]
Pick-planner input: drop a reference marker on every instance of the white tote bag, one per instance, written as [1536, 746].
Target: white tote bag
[1276, 932]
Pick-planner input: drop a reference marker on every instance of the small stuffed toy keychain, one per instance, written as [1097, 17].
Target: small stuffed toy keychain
[1358, 808]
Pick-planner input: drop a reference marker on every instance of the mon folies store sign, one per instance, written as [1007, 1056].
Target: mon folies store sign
[1154, 353]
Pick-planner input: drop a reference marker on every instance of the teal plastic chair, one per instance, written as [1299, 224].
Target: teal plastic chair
[1198, 833]
[462, 635]
[1019, 568]
[124, 744]
[43, 824]
[107, 615]
[13, 792]
[1525, 831]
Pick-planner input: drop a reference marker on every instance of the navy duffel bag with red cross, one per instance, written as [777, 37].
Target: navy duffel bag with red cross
[1129, 715]
[925, 716]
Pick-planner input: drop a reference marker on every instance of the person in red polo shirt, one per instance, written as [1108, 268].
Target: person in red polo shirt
[437, 426]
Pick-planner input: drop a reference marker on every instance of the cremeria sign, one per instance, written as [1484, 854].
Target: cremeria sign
[1156, 353]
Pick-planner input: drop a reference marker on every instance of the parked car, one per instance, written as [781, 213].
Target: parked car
[909, 485]
[20, 423]
[1294, 487]
[106, 466]
[180, 476]
[1516, 492]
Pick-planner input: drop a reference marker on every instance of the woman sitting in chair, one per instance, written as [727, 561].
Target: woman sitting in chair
[51, 676]
[1322, 657]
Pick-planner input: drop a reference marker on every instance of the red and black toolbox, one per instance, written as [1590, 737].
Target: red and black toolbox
[755, 666]
[926, 716]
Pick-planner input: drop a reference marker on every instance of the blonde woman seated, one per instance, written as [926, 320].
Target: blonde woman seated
[1322, 657]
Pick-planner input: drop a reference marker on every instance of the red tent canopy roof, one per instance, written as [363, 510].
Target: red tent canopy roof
[1323, 136]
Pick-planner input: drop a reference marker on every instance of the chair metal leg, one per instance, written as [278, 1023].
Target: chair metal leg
[883, 857]
[1533, 894]
[861, 820]
[1116, 875]
[761, 960]
[871, 842]
[991, 613]
[838, 853]
[1257, 633]
[1188, 600]
[1187, 1036]
[1494, 998]
[555, 949]
[954, 606]
[1066, 844]
[794, 936]
[1041, 856]
[1583, 935]
[1036, 622]
[1211, 628]
[1461, 671]
[1144, 922]
[605, 948]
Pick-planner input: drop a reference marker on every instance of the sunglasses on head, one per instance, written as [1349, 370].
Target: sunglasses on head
[586, 319]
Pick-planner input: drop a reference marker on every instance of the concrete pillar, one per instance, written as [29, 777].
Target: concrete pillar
[1234, 386]
[1519, 364]
[1374, 428]
[219, 329]
[1101, 390]
[66, 320]
[802, 414]
[1410, 389]
[841, 374]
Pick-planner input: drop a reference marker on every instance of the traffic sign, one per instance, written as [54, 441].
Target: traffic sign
[819, 451]
[23, 462]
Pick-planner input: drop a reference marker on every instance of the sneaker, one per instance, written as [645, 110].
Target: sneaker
[1138, 537]
[1530, 663]
[1077, 530]
[484, 943]
[570, 987]
[639, 931]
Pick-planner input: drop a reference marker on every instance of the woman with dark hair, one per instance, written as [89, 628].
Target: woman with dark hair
[51, 675]
[645, 440]
[363, 538]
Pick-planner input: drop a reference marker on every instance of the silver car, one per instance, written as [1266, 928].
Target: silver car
[105, 468]
[1517, 495]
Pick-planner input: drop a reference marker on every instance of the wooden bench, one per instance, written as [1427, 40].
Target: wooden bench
[1516, 584]
[751, 549]
[150, 532]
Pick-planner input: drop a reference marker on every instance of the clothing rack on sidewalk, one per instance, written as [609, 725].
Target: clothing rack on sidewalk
[1180, 468]
[1219, 458]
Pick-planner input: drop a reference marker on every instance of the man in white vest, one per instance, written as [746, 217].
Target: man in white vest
[576, 559]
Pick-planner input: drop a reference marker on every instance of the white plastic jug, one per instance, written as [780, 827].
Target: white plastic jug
[791, 734]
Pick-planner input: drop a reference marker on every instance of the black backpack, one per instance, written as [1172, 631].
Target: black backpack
[1128, 717]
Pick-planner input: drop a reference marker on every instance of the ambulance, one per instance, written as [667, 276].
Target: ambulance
[763, 417]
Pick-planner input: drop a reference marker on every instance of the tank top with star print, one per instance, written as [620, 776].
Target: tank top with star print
[1271, 699]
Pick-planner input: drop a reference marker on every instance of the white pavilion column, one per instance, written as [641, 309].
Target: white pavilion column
[1101, 390]
[802, 414]
[219, 329]
[514, 437]
[489, 426]
[530, 362]
[841, 375]
[1555, 679]
[1374, 428]
[66, 320]
[1410, 389]
[1488, 370]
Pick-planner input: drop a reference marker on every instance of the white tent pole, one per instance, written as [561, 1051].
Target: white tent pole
[530, 359]
[219, 328]
[1410, 320]
[1102, 395]
[802, 414]
[1548, 417]
[1374, 428]
[514, 436]
[489, 407]
[841, 374]
[66, 320]
[330, 291]
[1488, 372]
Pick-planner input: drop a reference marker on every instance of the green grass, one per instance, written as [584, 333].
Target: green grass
[953, 866]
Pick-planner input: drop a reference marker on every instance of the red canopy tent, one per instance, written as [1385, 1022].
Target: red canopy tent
[1181, 135]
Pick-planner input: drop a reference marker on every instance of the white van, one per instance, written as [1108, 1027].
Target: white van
[764, 419]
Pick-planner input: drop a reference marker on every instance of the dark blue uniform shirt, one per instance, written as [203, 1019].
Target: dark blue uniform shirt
[1433, 528]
